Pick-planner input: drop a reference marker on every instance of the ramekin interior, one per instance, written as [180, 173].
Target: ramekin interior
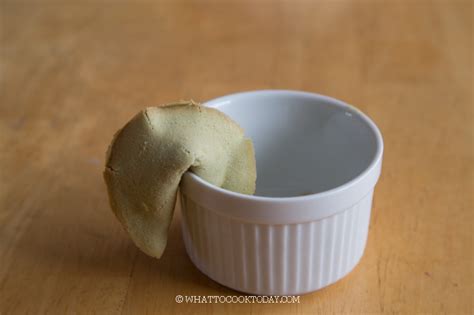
[308, 148]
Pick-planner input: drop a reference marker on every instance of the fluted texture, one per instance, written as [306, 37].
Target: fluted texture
[275, 259]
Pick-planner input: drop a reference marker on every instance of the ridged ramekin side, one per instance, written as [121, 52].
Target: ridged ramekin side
[280, 259]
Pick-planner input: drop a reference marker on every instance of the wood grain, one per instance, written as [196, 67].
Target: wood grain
[72, 73]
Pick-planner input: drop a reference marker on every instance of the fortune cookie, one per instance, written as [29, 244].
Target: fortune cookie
[150, 154]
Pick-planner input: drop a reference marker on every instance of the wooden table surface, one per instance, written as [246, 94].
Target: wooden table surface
[72, 73]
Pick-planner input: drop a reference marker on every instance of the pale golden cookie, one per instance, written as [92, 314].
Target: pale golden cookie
[149, 155]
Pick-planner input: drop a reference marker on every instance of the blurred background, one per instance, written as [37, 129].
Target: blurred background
[73, 72]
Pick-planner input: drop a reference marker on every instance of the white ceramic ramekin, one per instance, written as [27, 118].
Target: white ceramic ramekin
[318, 160]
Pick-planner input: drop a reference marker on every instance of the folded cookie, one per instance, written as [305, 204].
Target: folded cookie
[150, 154]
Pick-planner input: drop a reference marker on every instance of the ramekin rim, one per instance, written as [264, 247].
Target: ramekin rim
[310, 197]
